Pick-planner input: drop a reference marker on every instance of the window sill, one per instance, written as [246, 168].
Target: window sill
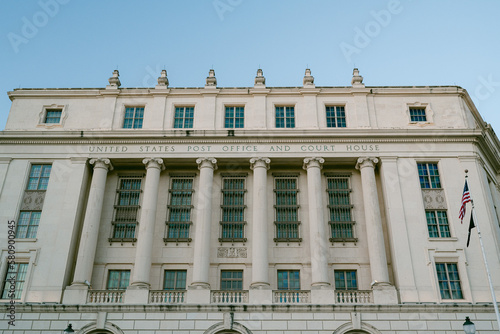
[25, 240]
[177, 240]
[453, 239]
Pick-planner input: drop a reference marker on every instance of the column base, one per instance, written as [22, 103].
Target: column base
[75, 294]
[384, 294]
[136, 295]
[260, 296]
[322, 295]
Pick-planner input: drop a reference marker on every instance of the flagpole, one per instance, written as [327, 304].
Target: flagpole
[495, 305]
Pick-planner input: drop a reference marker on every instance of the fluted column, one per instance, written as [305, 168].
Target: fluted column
[201, 262]
[260, 261]
[373, 219]
[318, 235]
[144, 250]
[90, 230]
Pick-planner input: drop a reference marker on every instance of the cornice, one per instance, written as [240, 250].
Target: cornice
[400, 308]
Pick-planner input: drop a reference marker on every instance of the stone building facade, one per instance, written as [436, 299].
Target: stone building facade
[247, 210]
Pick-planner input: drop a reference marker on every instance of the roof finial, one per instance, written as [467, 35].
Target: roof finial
[357, 80]
[260, 80]
[211, 79]
[114, 81]
[308, 79]
[162, 80]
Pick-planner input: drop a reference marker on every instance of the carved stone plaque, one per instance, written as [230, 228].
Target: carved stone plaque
[434, 199]
[232, 252]
[33, 200]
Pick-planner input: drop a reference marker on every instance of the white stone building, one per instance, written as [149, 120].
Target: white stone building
[261, 209]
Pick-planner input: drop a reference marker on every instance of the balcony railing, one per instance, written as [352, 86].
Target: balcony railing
[167, 296]
[353, 296]
[105, 296]
[291, 297]
[229, 297]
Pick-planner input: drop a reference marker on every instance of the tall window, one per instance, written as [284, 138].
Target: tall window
[118, 279]
[231, 280]
[53, 116]
[183, 118]
[429, 175]
[335, 117]
[179, 209]
[437, 224]
[39, 177]
[339, 205]
[233, 209]
[285, 117]
[133, 118]
[27, 225]
[417, 115]
[449, 281]
[127, 207]
[286, 209]
[14, 281]
[346, 280]
[174, 280]
[234, 118]
[288, 280]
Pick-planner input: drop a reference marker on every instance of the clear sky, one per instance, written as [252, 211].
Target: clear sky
[77, 43]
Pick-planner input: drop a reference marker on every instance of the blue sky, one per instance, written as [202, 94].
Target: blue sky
[76, 43]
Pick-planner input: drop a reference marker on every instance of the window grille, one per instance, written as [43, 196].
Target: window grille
[286, 209]
[233, 209]
[179, 210]
[127, 208]
[340, 208]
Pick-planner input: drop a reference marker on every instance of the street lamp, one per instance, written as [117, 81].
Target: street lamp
[69, 329]
[469, 327]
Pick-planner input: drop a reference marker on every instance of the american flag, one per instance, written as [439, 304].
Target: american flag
[465, 200]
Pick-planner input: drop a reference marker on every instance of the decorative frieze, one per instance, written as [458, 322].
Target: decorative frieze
[434, 199]
[33, 200]
[232, 252]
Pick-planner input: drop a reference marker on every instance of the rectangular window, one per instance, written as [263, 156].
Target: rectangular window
[288, 280]
[27, 224]
[437, 224]
[127, 207]
[335, 117]
[183, 118]
[428, 174]
[179, 209]
[118, 279]
[233, 209]
[234, 117]
[174, 280]
[39, 177]
[53, 116]
[417, 115]
[15, 278]
[231, 280]
[339, 205]
[133, 118]
[286, 209]
[285, 117]
[449, 281]
[346, 280]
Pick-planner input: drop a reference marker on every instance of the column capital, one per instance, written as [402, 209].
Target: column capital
[207, 163]
[101, 163]
[313, 162]
[366, 162]
[154, 163]
[259, 162]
